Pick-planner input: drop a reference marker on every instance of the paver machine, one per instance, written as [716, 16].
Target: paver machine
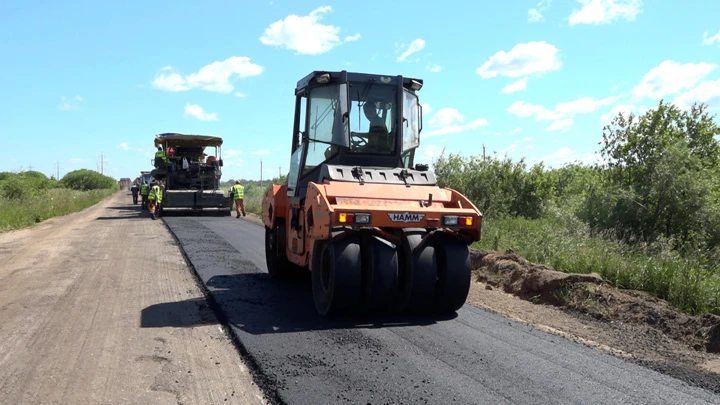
[190, 175]
[375, 230]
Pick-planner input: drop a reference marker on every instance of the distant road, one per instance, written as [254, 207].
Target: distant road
[475, 358]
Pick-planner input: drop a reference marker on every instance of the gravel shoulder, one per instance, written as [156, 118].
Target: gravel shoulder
[100, 307]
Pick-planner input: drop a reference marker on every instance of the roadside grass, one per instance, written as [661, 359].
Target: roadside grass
[690, 282]
[21, 213]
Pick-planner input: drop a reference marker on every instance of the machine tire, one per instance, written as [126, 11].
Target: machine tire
[278, 265]
[336, 276]
[418, 274]
[454, 273]
[380, 274]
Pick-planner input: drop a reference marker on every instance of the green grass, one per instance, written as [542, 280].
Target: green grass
[689, 282]
[21, 213]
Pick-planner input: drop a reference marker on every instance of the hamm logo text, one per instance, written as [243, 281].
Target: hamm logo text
[406, 217]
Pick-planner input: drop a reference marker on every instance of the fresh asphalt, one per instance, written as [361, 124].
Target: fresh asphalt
[475, 357]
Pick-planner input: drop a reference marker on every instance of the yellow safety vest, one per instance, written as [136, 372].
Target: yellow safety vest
[143, 189]
[238, 191]
[156, 194]
[160, 154]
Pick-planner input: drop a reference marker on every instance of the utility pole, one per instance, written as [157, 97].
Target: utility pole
[483, 152]
[260, 173]
[102, 162]
[57, 170]
[30, 167]
[279, 171]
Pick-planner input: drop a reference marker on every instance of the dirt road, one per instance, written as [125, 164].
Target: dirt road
[99, 307]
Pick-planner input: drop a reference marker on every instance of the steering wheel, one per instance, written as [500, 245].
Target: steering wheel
[357, 141]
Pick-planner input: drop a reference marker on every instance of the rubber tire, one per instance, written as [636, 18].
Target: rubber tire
[418, 276]
[278, 265]
[380, 275]
[454, 273]
[336, 276]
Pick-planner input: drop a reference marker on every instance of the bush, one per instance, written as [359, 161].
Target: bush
[24, 184]
[84, 179]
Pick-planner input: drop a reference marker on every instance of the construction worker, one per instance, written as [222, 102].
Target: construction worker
[166, 161]
[154, 198]
[237, 192]
[135, 190]
[159, 194]
[144, 189]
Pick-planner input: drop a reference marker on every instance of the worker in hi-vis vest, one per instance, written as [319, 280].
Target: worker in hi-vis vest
[144, 189]
[237, 192]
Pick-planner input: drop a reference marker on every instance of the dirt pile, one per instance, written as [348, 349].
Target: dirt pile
[590, 295]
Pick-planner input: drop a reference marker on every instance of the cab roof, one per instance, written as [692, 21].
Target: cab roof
[176, 139]
[345, 76]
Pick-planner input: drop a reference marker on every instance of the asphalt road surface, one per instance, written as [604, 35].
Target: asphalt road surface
[476, 357]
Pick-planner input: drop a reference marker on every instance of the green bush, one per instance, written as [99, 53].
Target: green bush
[84, 179]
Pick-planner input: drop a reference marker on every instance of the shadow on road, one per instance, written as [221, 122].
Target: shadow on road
[256, 304]
[180, 314]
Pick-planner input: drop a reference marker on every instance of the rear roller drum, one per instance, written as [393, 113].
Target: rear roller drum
[380, 274]
[278, 265]
[336, 276]
[418, 276]
[454, 273]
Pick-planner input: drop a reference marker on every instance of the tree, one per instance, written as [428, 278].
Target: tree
[661, 173]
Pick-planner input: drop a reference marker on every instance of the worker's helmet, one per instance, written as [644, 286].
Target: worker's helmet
[237, 181]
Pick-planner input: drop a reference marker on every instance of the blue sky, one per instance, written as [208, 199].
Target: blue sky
[523, 78]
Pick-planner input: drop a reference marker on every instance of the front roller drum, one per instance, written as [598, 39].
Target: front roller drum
[454, 273]
[380, 274]
[418, 274]
[336, 275]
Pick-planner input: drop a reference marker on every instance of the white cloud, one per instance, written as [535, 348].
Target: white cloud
[170, 82]
[670, 78]
[232, 152]
[711, 40]
[535, 14]
[626, 109]
[515, 131]
[515, 86]
[431, 151]
[522, 60]
[707, 92]
[236, 163]
[561, 125]
[446, 116]
[241, 95]
[514, 145]
[562, 114]
[124, 146]
[305, 35]
[70, 103]
[434, 68]
[195, 112]
[415, 46]
[261, 152]
[426, 109]
[216, 76]
[605, 11]
[450, 121]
